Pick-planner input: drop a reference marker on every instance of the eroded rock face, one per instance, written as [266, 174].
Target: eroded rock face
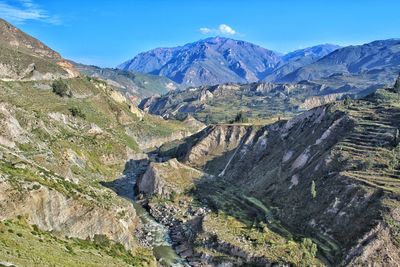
[167, 178]
[312, 171]
[316, 101]
[26, 58]
[52, 211]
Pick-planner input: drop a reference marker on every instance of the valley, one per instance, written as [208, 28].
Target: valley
[214, 153]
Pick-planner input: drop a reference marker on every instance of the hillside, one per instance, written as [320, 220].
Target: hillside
[372, 59]
[23, 57]
[135, 85]
[62, 143]
[320, 189]
[299, 58]
[258, 101]
[207, 62]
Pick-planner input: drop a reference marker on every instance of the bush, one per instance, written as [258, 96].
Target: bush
[347, 100]
[397, 85]
[61, 88]
[241, 118]
[77, 112]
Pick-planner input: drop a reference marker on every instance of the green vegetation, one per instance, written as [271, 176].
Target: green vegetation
[397, 86]
[257, 240]
[240, 118]
[77, 112]
[25, 245]
[61, 88]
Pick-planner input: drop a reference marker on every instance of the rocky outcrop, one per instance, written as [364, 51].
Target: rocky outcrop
[26, 58]
[167, 178]
[316, 101]
[315, 175]
[51, 210]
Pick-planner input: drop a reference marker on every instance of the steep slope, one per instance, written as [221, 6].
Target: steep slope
[323, 184]
[258, 101]
[60, 143]
[300, 58]
[369, 59]
[136, 85]
[23, 57]
[57, 152]
[209, 61]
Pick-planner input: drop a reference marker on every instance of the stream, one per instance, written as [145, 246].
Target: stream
[157, 234]
[161, 242]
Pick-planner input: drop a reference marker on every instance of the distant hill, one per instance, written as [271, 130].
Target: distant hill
[381, 57]
[209, 61]
[136, 84]
[299, 58]
[23, 57]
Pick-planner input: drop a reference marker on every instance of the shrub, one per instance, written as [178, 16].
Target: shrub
[36, 186]
[77, 112]
[397, 85]
[347, 100]
[241, 118]
[61, 88]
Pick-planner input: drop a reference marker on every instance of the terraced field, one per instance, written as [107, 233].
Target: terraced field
[375, 142]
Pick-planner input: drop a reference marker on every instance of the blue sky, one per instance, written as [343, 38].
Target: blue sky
[108, 32]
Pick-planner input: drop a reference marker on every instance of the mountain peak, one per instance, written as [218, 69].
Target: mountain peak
[209, 61]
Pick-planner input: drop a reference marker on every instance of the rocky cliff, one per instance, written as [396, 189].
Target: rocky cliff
[325, 180]
[23, 57]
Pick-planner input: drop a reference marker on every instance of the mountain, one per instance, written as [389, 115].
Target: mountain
[137, 85]
[369, 59]
[23, 57]
[63, 144]
[300, 58]
[209, 61]
[324, 185]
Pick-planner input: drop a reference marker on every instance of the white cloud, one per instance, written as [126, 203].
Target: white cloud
[22, 10]
[225, 29]
[205, 30]
[222, 29]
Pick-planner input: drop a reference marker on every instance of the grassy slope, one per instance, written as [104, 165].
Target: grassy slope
[24, 245]
[46, 156]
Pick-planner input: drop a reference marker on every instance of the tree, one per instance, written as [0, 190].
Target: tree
[397, 85]
[241, 118]
[313, 190]
[61, 88]
[77, 112]
[347, 100]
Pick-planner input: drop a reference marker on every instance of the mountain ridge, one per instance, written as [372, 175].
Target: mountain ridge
[200, 62]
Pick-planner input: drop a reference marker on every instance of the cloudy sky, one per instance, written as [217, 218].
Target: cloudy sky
[108, 32]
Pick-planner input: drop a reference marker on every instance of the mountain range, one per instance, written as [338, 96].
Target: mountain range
[283, 174]
[209, 61]
[221, 60]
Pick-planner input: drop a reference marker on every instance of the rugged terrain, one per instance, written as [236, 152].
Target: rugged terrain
[319, 189]
[258, 101]
[135, 85]
[223, 60]
[209, 61]
[61, 143]
[23, 57]
[379, 60]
